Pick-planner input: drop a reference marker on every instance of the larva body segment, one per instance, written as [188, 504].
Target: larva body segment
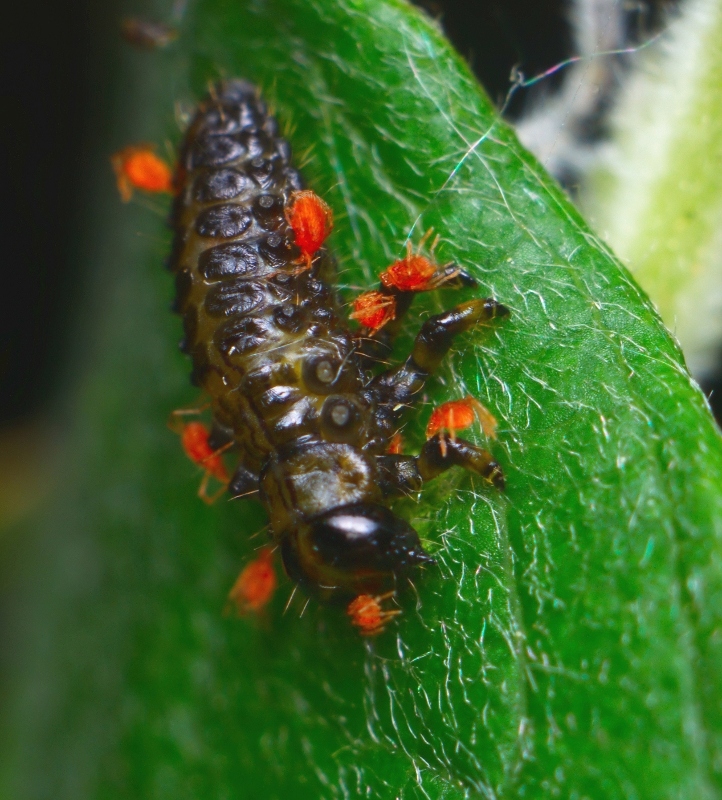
[289, 385]
[233, 258]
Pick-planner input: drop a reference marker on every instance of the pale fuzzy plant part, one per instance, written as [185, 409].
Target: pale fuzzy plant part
[559, 128]
[657, 198]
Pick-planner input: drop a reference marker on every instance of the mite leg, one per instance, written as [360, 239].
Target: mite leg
[442, 452]
[175, 420]
[209, 499]
[397, 386]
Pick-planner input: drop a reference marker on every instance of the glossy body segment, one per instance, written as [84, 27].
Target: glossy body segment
[292, 388]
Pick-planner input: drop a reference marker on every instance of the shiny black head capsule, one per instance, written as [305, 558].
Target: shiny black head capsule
[352, 549]
[367, 537]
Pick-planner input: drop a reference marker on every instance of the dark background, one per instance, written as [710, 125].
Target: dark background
[46, 75]
[46, 81]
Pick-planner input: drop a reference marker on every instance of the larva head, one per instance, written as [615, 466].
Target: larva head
[353, 549]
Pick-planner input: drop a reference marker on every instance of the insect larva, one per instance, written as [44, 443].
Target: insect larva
[292, 389]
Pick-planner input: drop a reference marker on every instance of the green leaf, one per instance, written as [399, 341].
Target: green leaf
[568, 644]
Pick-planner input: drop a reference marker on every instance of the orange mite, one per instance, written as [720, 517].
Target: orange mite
[256, 584]
[138, 167]
[367, 614]
[374, 309]
[396, 445]
[413, 273]
[459, 414]
[311, 221]
[194, 438]
[417, 273]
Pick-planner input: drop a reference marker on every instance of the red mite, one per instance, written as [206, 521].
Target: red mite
[396, 445]
[194, 438]
[311, 221]
[368, 615]
[409, 274]
[417, 273]
[138, 167]
[373, 310]
[256, 584]
[456, 415]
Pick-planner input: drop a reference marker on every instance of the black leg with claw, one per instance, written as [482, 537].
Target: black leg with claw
[396, 387]
[442, 452]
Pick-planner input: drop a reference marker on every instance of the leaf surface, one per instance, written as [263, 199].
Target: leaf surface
[567, 644]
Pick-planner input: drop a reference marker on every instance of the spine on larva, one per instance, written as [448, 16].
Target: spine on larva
[246, 307]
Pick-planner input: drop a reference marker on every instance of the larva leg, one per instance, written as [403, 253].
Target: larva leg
[437, 333]
[442, 452]
[220, 437]
[399, 474]
[405, 474]
[397, 386]
[244, 482]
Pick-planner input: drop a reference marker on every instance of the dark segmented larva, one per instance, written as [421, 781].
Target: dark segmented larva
[292, 388]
